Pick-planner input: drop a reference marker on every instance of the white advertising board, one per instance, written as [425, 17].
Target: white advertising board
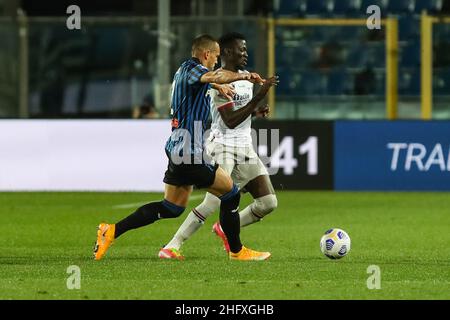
[83, 155]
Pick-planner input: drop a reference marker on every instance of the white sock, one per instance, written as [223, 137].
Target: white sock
[194, 221]
[247, 217]
[258, 209]
[190, 225]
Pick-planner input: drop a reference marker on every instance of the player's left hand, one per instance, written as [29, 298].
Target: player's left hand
[226, 90]
[262, 112]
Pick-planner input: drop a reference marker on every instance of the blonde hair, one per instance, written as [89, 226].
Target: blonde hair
[202, 43]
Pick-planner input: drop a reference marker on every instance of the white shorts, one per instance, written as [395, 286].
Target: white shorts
[241, 163]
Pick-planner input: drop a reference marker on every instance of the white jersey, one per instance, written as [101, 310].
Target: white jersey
[241, 134]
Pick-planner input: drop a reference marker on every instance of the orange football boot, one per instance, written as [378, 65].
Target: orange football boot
[248, 254]
[105, 238]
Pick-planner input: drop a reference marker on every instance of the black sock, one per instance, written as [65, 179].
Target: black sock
[148, 214]
[230, 222]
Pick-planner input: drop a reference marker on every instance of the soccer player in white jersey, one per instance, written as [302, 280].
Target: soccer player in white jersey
[230, 145]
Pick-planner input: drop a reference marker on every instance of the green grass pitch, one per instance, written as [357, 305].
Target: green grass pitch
[405, 234]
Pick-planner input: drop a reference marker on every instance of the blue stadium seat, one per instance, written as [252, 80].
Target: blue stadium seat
[431, 6]
[320, 7]
[380, 88]
[355, 57]
[383, 4]
[303, 55]
[287, 35]
[311, 83]
[340, 82]
[441, 31]
[320, 33]
[285, 78]
[441, 82]
[373, 54]
[297, 82]
[409, 82]
[348, 7]
[293, 56]
[410, 55]
[305, 82]
[296, 85]
[408, 27]
[401, 6]
[348, 33]
[361, 54]
[341, 7]
[314, 7]
[291, 8]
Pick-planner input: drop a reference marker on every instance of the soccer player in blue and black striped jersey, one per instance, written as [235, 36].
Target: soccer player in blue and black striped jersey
[188, 166]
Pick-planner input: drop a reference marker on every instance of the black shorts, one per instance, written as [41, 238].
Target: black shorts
[199, 175]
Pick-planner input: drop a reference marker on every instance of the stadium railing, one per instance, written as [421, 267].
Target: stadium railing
[427, 27]
[391, 52]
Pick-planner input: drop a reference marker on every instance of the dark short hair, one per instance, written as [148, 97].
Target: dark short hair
[228, 40]
[204, 42]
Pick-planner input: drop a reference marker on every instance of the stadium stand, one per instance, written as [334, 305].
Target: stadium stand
[441, 83]
[349, 58]
[318, 61]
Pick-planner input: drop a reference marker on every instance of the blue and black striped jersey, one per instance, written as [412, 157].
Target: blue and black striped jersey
[190, 109]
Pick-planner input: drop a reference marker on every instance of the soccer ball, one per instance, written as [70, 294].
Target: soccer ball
[335, 243]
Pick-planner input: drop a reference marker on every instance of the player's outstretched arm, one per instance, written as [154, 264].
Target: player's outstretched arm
[233, 118]
[221, 76]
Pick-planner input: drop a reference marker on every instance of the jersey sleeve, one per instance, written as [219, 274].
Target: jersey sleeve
[196, 73]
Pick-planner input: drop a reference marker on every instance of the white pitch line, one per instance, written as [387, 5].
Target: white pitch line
[137, 204]
[129, 205]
